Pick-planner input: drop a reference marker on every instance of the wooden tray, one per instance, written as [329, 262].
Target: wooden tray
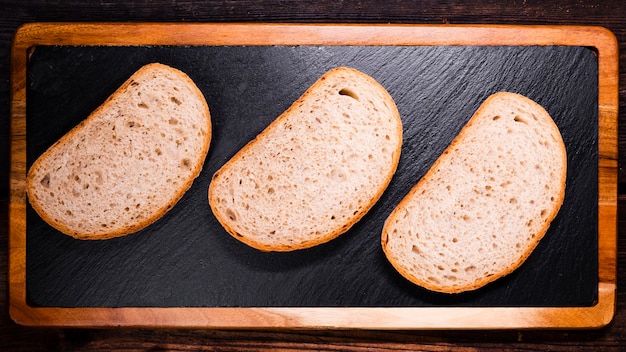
[383, 316]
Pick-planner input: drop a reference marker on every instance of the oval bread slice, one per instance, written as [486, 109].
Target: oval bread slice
[315, 170]
[129, 162]
[486, 202]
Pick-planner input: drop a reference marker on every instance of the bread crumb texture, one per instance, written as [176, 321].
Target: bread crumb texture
[129, 162]
[486, 202]
[316, 170]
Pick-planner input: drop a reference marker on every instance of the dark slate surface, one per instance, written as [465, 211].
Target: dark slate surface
[186, 259]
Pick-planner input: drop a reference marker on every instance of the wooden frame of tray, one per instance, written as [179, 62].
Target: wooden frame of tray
[602, 41]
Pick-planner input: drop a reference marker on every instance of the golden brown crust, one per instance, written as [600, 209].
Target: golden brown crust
[140, 224]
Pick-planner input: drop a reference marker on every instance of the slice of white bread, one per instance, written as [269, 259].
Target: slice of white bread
[486, 202]
[128, 162]
[315, 170]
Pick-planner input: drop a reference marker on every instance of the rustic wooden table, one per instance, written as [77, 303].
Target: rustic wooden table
[609, 14]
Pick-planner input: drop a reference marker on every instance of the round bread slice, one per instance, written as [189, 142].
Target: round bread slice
[129, 162]
[486, 202]
[315, 170]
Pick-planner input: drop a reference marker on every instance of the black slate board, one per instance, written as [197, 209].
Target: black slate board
[186, 259]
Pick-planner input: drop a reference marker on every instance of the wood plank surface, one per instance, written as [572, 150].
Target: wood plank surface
[13, 337]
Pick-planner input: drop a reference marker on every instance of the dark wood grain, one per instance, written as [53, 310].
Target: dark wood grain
[610, 14]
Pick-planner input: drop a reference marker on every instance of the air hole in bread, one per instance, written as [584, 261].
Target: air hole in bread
[348, 92]
[186, 163]
[517, 118]
[172, 121]
[338, 174]
[143, 105]
[175, 100]
[270, 190]
[45, 181]
[497, 117]
[231, 214]
[433, 279]
[470, 268]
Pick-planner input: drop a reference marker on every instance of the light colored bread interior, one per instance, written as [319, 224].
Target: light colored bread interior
[486, 202]
[129, 162]
[316, 170]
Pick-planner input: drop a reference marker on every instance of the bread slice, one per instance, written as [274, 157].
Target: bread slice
[315, 170]
[129, 162]
[486, 202]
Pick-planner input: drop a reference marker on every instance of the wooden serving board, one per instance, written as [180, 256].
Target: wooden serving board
[185, 271]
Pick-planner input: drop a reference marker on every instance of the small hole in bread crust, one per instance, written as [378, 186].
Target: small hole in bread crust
[433, 279]
[231, 215]
[348, 92]
[45, 181]
[517, 118]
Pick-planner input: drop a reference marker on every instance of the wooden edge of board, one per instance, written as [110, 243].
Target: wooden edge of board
[599, 39]
[397, 318]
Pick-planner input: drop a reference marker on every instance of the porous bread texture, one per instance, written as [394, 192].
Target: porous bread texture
[486, 202]
[315, 170]
[129, 162]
